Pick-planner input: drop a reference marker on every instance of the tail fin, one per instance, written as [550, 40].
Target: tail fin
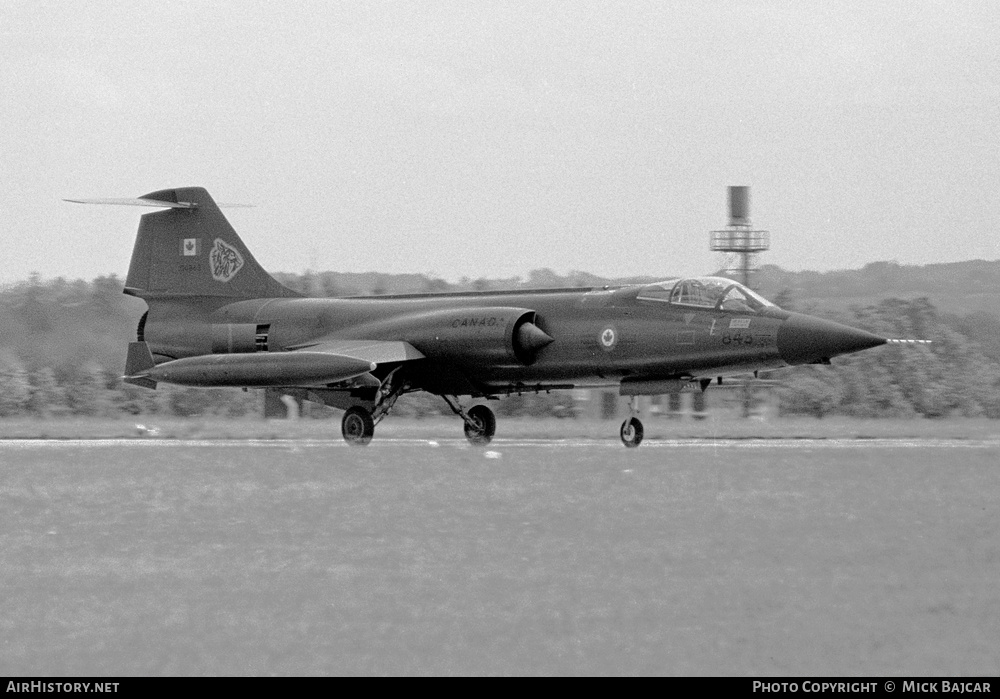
[191, 250]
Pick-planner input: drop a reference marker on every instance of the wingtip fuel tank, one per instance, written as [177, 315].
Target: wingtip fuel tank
[261, 370]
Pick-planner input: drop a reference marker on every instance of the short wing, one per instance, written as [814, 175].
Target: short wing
[375, 351]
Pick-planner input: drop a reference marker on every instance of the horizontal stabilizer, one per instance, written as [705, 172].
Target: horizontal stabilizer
[137, 202]
[154, 203]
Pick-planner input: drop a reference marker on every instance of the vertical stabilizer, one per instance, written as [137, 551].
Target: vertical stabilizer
[191, 250]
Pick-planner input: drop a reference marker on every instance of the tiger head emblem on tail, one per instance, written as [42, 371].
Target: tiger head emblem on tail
[225, 261]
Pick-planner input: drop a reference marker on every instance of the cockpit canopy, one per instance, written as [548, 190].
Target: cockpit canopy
[706, 292]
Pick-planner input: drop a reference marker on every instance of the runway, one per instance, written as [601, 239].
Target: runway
[161, 556]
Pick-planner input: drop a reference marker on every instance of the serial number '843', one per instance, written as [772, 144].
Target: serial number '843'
[737, 339]
[761, 340]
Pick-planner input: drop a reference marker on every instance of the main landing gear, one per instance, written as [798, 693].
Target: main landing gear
[357, 426]
[480, 422]
[358, 423]
[481, 425]
[632, 431]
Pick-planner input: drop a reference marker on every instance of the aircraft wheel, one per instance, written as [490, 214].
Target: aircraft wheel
[632, 432]
[357, 426]
[486, 425]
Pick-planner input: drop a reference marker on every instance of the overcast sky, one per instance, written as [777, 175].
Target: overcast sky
[492, 138]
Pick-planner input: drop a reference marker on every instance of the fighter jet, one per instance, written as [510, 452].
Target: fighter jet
[216, 318]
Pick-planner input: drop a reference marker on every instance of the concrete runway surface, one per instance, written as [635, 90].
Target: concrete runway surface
[552, 557]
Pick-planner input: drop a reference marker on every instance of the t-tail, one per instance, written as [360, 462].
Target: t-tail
[190, 250]
[186, 262]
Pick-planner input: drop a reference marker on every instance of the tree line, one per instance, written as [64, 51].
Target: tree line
[63, 346]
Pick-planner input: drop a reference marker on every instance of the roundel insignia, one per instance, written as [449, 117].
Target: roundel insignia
[609, 338]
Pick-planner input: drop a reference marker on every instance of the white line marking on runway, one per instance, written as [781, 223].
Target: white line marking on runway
[839, 443]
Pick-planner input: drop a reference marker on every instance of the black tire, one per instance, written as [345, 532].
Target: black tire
[632, 432]
[357, 426]
[486, 425]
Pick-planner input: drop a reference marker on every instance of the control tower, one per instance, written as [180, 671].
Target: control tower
[741, 244]
[740, 241]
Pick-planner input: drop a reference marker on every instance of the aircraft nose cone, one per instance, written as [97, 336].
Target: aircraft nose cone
[803, 339]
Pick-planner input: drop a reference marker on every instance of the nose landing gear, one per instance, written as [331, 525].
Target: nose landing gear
[632, 431]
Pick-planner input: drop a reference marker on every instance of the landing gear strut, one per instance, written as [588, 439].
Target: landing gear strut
[480, 422]
[358, 424]
[632, 431]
